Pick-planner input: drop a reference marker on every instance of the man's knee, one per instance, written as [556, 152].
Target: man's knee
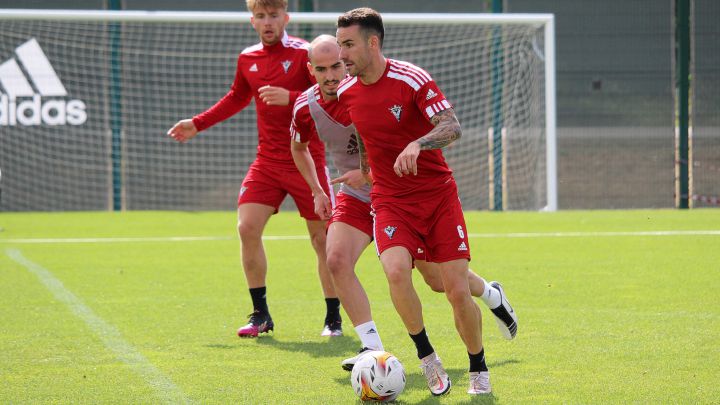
[431, 275]
[249, 230]
[397, 264]
[318, 238]
[396, 273]
[457, 293]
[435, 284]
[339, 262]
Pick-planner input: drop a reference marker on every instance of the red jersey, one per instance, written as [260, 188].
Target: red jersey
[388, 115]
[283, 64]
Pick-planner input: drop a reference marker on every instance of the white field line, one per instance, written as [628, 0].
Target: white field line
[305, 237]
[122, 240]
[594, 234]
[108, 334]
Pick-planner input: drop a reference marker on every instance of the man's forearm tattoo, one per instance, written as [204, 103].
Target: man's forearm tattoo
[447, 130]
[364, 165]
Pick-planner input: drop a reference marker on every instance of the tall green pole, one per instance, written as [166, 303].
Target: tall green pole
[682, 60]
[497, 120]
[114, 36]
[306, 6]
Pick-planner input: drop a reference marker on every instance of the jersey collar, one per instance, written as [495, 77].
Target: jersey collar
[283, 43]
[285, 39]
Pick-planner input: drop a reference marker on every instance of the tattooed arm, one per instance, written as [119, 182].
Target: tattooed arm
[447, 130]
[364, 164]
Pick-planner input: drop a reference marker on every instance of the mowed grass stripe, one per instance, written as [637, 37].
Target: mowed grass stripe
[304, 237]
[607, 319]
[108, 334]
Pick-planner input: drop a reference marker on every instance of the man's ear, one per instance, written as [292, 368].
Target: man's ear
[374, 41]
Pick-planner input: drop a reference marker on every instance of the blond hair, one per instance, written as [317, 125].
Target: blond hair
[253, 4]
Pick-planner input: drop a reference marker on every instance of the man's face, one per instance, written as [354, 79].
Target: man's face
[269, 23]
[328, 70]
[354, 49]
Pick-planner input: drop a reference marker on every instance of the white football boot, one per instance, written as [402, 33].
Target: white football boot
[437, 379]
[479, 383]
[505, 316]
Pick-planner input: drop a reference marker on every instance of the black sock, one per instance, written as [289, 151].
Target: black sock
[333, 310]
[477, 361]
[422, 344]
[258, 299]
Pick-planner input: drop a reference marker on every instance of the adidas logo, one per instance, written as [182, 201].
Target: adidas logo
[371, 331]
[253, 68]
[462, 247]
[352, 147]
[35, 109]
[430, 94]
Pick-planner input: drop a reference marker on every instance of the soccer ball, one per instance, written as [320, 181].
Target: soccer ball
[378, 376]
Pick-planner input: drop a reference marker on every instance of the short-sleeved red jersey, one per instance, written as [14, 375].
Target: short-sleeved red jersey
[388, 115]
[283, 64]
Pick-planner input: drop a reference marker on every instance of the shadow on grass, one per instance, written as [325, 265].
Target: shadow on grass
[338, 346]
[471, 399]
[334, 347]
[220, 346]
[416, 382]
[501, 363]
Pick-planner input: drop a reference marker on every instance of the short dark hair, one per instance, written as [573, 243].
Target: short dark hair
[369, 20]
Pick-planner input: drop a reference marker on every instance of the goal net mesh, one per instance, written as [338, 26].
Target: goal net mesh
[126, 83]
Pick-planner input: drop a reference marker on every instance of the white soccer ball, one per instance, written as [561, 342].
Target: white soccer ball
[378, 376]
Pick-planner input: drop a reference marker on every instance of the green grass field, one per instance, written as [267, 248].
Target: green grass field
[614, 306]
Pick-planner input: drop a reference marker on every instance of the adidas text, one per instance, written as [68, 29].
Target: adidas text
[46, 102]
[35, 111]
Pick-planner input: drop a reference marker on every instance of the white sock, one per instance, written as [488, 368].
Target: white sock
[491, 296]
[369, 336]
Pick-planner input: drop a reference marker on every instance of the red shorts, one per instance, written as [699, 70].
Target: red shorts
[431, 229]
[354, 212]
[268, 185]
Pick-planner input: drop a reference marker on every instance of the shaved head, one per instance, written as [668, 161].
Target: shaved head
[325, 65]
[323, 45]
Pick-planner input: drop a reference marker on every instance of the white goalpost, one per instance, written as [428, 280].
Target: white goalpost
[87, 96]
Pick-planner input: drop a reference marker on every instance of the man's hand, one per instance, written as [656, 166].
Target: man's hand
[183, 131]
[323, 207]
[272, 95]
[353, 178]
[406, 161]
